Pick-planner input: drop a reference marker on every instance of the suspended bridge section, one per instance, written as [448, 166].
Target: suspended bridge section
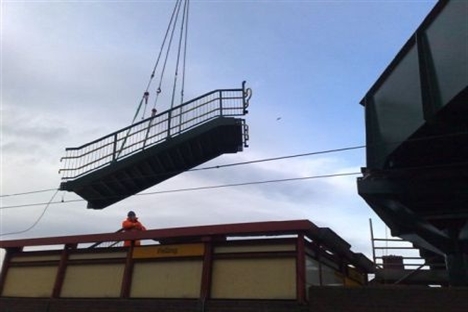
[416, 177]
[157, 148]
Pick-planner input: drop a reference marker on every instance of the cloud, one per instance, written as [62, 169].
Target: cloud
[29, 137]
[75, 71]
[19, 125]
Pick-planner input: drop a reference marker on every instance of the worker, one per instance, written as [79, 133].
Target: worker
[132, 224]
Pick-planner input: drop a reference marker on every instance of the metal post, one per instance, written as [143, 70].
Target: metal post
[61, 270]
[372, 241]
[246, 94]
[457, 269]
[114, 152]
[457, 262]
[301, 269]
[205, 288]
[180, 118]
[220, 103]
[169, 114]
[6, 266]
[127, 275]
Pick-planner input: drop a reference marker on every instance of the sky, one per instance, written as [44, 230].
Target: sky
[74, 71]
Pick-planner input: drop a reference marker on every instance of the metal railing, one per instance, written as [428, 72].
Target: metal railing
[385, 248]
[82, 160]
[108, 244]
[396, 253]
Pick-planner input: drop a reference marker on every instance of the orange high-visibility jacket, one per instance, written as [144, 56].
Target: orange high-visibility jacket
[132, 225]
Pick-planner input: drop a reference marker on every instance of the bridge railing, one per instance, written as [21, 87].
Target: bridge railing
[123, 143]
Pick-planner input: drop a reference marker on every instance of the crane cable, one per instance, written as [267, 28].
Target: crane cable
[153, 73]
[158, 91]
[144, 100]
[182, 34]
[146, 94]
[185, 53]
[171, 29]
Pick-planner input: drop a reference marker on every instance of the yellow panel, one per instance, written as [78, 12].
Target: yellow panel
[96, 255]
[356, 276]
[25, 258]
[30, 281]
[254, 279]
[256, 248]
[351, 283]
[164, 251]
[174, 279]
[93, 281]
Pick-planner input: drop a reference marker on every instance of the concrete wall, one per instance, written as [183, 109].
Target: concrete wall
[388, 299]
[147, 305]
[349, 299]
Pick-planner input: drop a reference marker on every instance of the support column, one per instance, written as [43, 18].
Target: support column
[61, 270]
[456, 259]
[128, 272]
[205, 288]
[6, 266]
[457, 269]
[301, 269]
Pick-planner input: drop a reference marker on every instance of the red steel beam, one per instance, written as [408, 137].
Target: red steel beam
[241, 229]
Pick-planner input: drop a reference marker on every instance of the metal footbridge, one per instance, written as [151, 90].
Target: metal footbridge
[155, 149]
[416, 177]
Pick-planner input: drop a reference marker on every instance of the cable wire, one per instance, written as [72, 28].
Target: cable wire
[185, 54]
[336, 150]
[179, 49]
[144, 98]
[281, 158]
[334, 175]
[238, 184]
[35, 222]
[162, 46]
[29, 192]
[169, 45]
[259, 161]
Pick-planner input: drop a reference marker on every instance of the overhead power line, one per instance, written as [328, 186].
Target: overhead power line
[35, 222]
[343, 149]
[253, 183]
[30, 192]
[202, 188]
[277, 158]
[47, 205]
[206, 187]
[281, 157]
[236, 184]
[225, 165]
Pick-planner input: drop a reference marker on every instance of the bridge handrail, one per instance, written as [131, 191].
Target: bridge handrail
[153, 130]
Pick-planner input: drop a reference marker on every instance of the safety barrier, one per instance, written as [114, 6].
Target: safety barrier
[82, 160]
